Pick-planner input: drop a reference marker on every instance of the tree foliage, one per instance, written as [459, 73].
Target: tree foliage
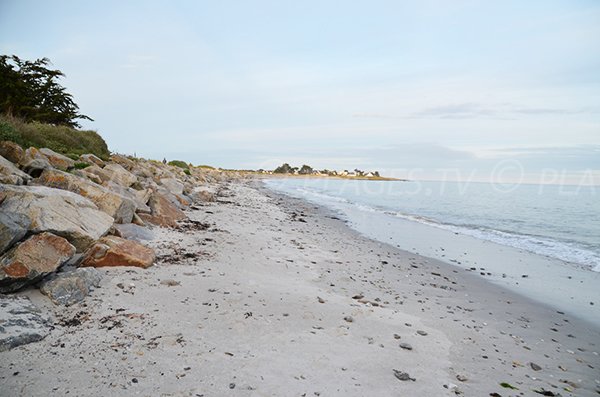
[284, 169]
[29, 90]
[306, 170]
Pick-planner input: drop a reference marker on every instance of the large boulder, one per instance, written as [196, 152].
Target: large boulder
[10, 174]
[87, 175]
[13, 228]
[204, 194]
[35, 167]
[91, 160]
[57, 211]
[172, 185]
[72, 286]
[116, 251]
[12, 152]
[164, 213]
[20, 322]
[119, 207]
[31, 260]
[125, 162]
[114, 173]
[139, 197]
[57, 160]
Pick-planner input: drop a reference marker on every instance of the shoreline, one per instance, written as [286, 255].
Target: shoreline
[569, 287]
[262, 303]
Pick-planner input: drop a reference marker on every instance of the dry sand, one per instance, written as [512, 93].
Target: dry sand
[258, 300]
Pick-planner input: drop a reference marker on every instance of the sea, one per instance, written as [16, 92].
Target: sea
[499, 223]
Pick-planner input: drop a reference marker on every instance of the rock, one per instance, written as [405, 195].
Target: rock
[87, 175]
[61, 212]
[12, 152]
[115, 205]
[20, 322]
[91, 159]
[535, 367]
[164, 213]
[172, 185]
[11, 175]
[13, 228]
[33, 259]
[72, 286]
[34, 167]
[349, 319]
[123, 161]
[461, 378]
[203, 194]
[451, 386]
[403, 376]
[139, 197]
[422, 333]
[114, 173]
[137, 233]
[57, 160]
[405, 346]
[116, 251]
[170, 283]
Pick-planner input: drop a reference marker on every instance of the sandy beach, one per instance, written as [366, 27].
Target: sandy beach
[260, 294]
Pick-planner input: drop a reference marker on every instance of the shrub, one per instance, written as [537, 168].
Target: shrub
[180, 164]
[61, 139]
[9, 133]
[80, 166]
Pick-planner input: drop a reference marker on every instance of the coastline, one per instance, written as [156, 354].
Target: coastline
[566, 286]
[259, 303]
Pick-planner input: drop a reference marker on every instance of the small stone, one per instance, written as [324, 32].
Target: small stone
[403, 376]
[134, 380]
[349, 319]
[170, 283]
[405, 346]
[321, 300]
[232, 385]
[535, 367]
[358, 296]
[461, 378]
[396, 336]
[422, 333]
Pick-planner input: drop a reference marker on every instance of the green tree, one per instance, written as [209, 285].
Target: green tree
[306, 170]
[29, 90]
[284, 169]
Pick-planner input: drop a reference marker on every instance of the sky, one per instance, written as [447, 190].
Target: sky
[465, 90]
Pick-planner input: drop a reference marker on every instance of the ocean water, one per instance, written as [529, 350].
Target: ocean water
[560, 222]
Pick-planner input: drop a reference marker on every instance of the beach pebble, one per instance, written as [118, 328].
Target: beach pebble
[321, 300]
[461, 378]
[349, 319]
[396, 336]
[535, 367]
[406, 346]
[403, 376]
[422, 333]
[170, 283]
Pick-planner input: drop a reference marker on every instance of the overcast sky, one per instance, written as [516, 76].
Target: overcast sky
[421, 88]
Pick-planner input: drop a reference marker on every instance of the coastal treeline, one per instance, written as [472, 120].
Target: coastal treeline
[30, 90]
[285, 168]
[36, 111]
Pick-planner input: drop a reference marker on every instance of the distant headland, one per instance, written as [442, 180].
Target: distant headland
[308, 171]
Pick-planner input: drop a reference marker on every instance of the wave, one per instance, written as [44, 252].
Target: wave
[570, 252]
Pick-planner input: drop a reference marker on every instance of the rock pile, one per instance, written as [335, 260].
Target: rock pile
[55, 210]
